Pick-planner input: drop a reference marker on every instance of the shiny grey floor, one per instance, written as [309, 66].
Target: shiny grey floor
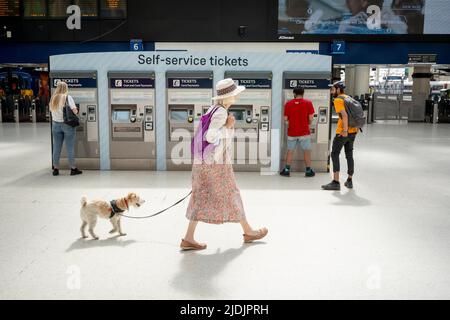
[389, 238]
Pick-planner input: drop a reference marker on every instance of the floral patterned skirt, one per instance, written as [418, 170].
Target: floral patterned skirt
[215, 197]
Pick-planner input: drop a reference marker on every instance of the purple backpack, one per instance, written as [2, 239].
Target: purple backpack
[199, 145]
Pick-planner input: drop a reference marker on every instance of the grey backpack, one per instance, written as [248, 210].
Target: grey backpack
[356, 117]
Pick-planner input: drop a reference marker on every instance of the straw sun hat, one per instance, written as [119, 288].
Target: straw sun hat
[227, 88]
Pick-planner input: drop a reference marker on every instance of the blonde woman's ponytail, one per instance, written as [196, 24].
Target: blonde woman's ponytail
[59, 97]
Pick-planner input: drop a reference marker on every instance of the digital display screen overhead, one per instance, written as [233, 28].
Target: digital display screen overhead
[113, 9]
[356, 17]
[57, 8]
[35, 8]
[9, 8]
[88, 7]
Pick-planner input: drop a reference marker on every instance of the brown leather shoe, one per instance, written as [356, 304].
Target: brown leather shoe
[186, 245]
[261, 234]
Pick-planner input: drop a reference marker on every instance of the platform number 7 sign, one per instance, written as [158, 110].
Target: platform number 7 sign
[338, 47]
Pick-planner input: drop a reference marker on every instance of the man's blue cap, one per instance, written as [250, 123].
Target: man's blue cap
[338, 84]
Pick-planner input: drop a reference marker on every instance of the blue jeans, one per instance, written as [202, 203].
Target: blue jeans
[303, 141]
[62, 132]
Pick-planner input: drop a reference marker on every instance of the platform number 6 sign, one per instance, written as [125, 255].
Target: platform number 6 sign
[374, 19]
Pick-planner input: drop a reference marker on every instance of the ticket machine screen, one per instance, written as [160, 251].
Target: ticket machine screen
[239, 114]
[180, 114]
[122, 115]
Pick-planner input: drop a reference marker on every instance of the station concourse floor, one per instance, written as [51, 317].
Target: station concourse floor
[388, 238]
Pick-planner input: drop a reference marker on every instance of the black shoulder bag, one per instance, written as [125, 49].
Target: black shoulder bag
[70, 118]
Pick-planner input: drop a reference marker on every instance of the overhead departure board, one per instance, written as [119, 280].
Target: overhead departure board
[356, 17]
[9, 8]
[113, 9]
[34, 9]
[57, 8]
[88, 7]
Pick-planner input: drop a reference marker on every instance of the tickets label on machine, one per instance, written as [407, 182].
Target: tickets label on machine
[317, 90]
[132, 114]
[83, 89]
[188, 97]
[253, 114]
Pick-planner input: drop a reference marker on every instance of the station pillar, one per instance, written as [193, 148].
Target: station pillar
[420, 92]
[362, 79]
[349, 79]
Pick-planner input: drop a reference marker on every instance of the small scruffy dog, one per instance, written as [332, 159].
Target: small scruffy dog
[107, 210]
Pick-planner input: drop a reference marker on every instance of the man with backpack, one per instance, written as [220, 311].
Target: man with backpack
[351, 118]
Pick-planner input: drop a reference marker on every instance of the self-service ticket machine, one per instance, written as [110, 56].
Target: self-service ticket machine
[188, 97]
[132, 114]
[316, 90]
[253, 115]
[83, 88]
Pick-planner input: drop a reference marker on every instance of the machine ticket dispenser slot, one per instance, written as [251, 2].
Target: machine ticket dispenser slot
[83, 89]
[188, 97]
[131, 104]
[318, 92]
[253, 115]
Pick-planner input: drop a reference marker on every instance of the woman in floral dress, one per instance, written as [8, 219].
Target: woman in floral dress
[215, 197]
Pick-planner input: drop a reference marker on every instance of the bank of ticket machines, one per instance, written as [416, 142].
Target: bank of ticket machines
[132, 118]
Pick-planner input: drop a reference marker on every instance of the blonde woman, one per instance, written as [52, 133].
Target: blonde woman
[62, 132]
[215, 197]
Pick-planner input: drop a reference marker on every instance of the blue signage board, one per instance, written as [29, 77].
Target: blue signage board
[254, 83]
[189, 83]
[76, 82]
[307, 83]
[338, 47]
[136, 45]
[131, 83]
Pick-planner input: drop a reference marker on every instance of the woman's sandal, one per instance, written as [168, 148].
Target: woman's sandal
[186, 245]
[261, 234]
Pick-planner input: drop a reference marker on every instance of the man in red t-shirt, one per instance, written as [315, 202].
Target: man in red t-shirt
[299, 113]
